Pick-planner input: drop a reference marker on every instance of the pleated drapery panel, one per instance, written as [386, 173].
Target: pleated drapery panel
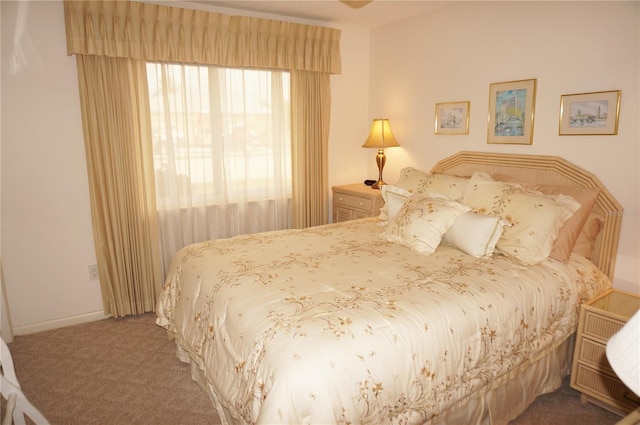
[116, 133]
[311, 95]
[155, 32]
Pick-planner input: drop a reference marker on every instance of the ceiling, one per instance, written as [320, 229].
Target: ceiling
[373, 14]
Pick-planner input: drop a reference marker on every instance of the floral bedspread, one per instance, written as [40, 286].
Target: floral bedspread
[332, 324]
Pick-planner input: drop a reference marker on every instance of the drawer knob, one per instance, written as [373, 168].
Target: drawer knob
[340, 198]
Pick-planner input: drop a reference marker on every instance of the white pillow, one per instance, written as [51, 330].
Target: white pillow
[421, 222]
[475, 234]
[535, 218]
[417, 181]
[393, 197]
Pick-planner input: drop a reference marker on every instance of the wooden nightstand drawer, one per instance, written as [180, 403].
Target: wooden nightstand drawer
[353, 202]
[605, 387]
[597, 326]
[594, 353]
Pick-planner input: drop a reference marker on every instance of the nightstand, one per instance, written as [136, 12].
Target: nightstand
[591, 373]
[355, 201]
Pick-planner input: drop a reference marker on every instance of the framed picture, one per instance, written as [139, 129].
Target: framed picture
[590, 113]
[511, 111]
[452, 118]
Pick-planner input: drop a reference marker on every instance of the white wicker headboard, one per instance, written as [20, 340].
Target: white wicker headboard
[547, 170]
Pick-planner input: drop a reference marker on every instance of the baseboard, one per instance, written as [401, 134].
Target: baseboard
[59, 323]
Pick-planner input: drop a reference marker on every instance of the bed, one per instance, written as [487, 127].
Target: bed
[399, 318]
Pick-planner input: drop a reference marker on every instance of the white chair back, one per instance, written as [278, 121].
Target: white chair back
[17, 403]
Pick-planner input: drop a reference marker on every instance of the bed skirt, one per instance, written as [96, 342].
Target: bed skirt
[512, 393]
[504, 400]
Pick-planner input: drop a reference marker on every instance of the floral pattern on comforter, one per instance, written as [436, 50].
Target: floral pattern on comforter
[333, 324]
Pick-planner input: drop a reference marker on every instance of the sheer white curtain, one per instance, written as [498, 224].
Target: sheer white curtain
[222, 152]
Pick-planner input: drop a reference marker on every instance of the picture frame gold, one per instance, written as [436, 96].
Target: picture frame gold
[589, 114]
[511, 112]
[452, 118]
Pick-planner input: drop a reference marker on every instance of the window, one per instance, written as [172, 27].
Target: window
[219, 132]
[221, 149]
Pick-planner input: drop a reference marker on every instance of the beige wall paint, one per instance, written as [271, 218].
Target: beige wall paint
[47, 241]
[454, 54]
[46, 224]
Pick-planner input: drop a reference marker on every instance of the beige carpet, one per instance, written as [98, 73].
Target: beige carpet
[124, 371]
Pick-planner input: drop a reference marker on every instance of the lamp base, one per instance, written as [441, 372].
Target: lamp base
[378, 184]
[380, 160]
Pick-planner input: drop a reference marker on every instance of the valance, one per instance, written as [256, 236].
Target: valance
[162, 33]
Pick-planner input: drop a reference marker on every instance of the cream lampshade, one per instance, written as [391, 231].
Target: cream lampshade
[623, 353]
[380, 137]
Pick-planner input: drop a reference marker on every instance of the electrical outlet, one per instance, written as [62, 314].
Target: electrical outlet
[93, 272]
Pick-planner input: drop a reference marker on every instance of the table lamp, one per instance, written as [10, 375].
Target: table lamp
[380, 137]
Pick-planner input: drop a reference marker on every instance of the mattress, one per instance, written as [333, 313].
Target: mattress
[333, 324]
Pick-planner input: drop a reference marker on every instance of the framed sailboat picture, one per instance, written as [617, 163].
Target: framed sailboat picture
[511, 112]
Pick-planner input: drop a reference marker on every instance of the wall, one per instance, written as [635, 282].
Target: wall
[454, 54]
[46, 224]
[47, 240]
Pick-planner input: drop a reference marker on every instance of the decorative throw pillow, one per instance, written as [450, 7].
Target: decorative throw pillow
[393, 197]
[421, 222]
[570, 230]
[476, 234]
[417, 181]
[535, 218]
[587, 238]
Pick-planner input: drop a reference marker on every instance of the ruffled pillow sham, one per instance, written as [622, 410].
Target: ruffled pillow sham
[421, 221]
[418, 181]
[393, 197]
[412, 180]
[571, 229]
[535, 218]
